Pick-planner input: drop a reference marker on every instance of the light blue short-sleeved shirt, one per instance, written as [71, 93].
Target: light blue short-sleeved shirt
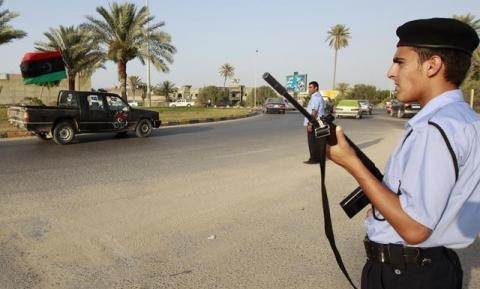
[422, 171]
[316, 103]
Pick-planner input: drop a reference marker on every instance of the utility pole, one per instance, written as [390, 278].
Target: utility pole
[255, 79]
[472, 93]
[149, 93]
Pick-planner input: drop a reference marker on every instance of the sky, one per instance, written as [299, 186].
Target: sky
[290, 36]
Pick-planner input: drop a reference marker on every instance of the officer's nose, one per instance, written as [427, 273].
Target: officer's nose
[391, 73]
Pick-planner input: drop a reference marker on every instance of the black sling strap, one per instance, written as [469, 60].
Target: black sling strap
[327, 220]
[449, 146]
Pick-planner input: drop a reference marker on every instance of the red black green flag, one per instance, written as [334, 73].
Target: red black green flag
[42, 67]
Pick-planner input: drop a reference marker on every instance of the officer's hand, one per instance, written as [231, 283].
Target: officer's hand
[310, 127]
[341, 153]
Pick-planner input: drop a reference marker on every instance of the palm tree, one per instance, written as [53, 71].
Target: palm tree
[470, 20]
[226, 71]
[338, 36]
[7, 32]
[127, 33]
[475, 68]
[135, 82]
[80, 51]
[343, 88]
[475, 24]
[166, 88]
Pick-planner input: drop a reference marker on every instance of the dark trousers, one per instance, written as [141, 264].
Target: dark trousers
[313, 146]
[444, 272]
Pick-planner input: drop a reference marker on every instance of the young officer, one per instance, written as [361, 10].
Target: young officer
[429, 200]
[316, 107]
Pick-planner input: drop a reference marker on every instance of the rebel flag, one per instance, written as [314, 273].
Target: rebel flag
[42, 67]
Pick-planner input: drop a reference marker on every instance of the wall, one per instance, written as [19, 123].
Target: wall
[13, 90]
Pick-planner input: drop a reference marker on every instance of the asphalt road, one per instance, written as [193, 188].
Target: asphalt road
[217, 205]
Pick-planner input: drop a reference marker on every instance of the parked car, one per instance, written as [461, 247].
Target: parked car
[366, 106]
[81, 112]
[181, 102]
[274, 105]
[401, 109]
[348, 107]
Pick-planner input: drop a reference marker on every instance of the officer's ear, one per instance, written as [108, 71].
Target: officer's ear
[434, 66]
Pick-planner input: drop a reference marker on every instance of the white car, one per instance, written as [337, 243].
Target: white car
[181, 102]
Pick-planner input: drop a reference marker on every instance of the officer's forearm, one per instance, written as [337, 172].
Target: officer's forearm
[388, 204]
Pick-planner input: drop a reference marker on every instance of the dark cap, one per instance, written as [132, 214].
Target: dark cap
[438, 33]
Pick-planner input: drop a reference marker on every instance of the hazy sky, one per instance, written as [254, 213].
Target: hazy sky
[289, 35]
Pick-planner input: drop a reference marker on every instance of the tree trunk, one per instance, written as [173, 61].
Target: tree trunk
[71, 82]
[334, 69]
[225, 88]
[122, 77]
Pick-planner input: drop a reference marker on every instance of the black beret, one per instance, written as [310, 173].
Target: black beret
[438, 33]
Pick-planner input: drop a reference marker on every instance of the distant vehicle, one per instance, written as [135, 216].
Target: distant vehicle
[348, 107]
[328, 105]
[288, 105]
[132, 103]
[401, 109]
[388, 106]
[81, 112]
[366, 106]
[274, 105]
[181, 103]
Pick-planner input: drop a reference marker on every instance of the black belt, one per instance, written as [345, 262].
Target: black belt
[398, 255]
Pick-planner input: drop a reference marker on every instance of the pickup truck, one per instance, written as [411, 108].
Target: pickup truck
[83, 112]
[181, 102]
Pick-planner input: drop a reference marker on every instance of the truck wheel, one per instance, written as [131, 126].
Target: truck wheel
[63, 133]
[144, 128]
[188, 105]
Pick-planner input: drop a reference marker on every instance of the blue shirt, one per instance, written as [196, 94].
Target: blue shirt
[422, 171]
[316, 103]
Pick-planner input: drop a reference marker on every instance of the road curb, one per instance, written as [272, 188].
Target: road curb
[14, 134]
[209, 119]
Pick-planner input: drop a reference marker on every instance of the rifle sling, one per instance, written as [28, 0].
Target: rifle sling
[322, 142]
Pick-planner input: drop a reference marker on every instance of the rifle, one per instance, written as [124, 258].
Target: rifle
[356, 200]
